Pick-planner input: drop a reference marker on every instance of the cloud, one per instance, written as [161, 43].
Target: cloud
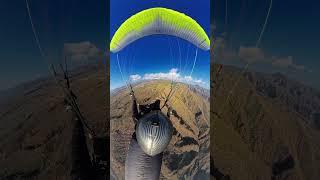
[191, 80]
[219, 43]
[251, 54]
[221, 52]
[173, 74]
[82, 51]
[135, 77]
[286, 63]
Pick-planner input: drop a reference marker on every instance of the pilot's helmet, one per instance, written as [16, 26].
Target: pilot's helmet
[154, 132]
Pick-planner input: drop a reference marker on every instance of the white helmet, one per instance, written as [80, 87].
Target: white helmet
[154, 132]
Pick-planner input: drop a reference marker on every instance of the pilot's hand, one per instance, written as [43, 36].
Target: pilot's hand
[169, 113]
[132, 95]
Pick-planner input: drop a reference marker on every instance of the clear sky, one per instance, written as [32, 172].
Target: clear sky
[57, 22]
[151, 56]
[290, 43]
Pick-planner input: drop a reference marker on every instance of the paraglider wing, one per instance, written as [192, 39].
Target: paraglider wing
[159, 21]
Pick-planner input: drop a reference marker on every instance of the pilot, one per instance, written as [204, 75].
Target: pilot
[153, 132]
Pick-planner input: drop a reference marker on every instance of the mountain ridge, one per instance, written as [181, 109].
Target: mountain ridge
[249, 130]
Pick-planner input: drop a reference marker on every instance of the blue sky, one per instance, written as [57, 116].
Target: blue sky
[290, 43]
[151, 56]
[57, 22]
[291, 37]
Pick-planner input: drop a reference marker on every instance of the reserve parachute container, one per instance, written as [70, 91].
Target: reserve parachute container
[154, 132]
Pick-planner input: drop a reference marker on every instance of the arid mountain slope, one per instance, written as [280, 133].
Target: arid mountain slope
[187, 155]
[297, 97]
[35, 130]
[255, 136]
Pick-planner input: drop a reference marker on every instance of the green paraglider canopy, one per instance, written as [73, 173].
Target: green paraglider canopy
[159, 21]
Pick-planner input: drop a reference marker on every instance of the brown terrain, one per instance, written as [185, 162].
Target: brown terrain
[267, 129]
[35, 129]
[187, 156]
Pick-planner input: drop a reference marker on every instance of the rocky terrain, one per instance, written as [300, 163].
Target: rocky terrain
[263, 128]
[35, 129]
[298, 98]
[267, 128]
[187, 155]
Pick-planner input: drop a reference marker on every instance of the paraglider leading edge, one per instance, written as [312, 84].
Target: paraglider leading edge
[159, 20]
